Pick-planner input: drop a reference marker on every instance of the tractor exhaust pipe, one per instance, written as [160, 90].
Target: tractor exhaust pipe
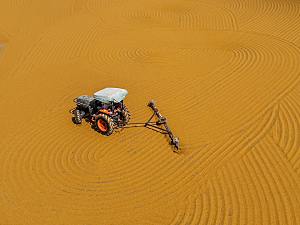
[162, 121]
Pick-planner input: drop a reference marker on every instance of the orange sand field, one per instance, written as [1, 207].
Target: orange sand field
[226, 75]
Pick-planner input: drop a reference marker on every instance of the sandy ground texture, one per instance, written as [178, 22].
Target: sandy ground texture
[226, 75]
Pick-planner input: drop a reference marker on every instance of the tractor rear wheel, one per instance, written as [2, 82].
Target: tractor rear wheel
[125, 116]
[104, 124]
[77, 116]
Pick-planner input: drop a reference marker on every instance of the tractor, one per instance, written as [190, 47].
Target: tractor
[105, 110]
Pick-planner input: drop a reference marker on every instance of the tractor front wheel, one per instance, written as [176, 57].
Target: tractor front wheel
[77, 117]
[104, 124]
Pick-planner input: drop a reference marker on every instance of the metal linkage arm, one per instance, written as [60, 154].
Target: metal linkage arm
[162, 121]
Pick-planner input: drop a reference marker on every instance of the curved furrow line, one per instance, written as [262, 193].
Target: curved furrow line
[280, 184]
[260, 187]
[74, 165]
[233, 18]
[135, 183]
[289, 29]
[239, 63]
[288, 135]
[238, 146]
[34, 158]
[186, 17]
[274, 184]
[207, 88]
[223, 82]
[212, 21]
[284, 127]
[190, 211]
[82, 190]
[234, 143]
[29, 161]
[240, 195]
[215, 209]
[156, 18]
[93, 5]
[140, 55]
[223, 195]
[66, 47]
[291, 62]
[283, 165]
[197, 212]
[206, 203]
[80, 186]
[98, 6]
[21, 59]
[78, 6]
[214, 18]
[294, 110]
[248, 212]
[227, 198]
[287, 128]
[176, 219]
[172, 186]
[19, 3]
[277, 128]
[185, 84]
[12, 186]
[137, 55]
[242, 10]
[53, 15]
[263, 178]
[234, 208]
[59, 178]
[185, 174]
[297, 166]
[253, 192]
[28, 65]
[186, 178]
[17, 182]
[39, 55]
[181, 213]
[293, 98]
[107, 56]
[84, 150]
[76, 44]
[235, 5]
[282, 15]
[292, 146]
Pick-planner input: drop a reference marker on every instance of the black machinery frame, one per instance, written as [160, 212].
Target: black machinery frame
[156, 126]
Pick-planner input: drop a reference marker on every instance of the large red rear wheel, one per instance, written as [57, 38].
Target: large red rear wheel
[104, 124]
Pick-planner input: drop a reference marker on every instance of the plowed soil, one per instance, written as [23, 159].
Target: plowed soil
[224, 73]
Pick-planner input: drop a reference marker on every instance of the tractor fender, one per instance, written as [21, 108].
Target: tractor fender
[104, 111]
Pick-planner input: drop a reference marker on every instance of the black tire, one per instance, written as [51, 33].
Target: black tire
[77, 117]
[104, 124]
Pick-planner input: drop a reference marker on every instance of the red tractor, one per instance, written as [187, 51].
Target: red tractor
[105, 110]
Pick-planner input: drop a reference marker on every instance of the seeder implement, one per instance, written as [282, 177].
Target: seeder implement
[157, 125]
[162, 121]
